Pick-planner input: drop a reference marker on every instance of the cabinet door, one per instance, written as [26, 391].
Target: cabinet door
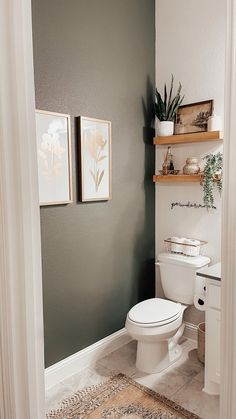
[213, 326]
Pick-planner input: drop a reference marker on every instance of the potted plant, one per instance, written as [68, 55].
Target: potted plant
[212, 174]
[166, 108]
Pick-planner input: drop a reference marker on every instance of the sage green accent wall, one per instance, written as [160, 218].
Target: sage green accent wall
[96, 58]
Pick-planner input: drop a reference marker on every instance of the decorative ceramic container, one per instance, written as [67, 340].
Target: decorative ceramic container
[165, 128]
[191, 167]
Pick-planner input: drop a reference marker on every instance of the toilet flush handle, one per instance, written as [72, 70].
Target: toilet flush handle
[157, 264]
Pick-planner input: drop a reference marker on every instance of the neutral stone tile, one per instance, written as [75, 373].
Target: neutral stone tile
[99, 374]
[181, 382]
[164, 383]
[189, 364]
[170, 381]
[123, 360]
[55, 395]
[191, 397]
[200, 376]
[88, 377]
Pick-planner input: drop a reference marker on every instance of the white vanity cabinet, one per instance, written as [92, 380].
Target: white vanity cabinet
[212, 344]
[212, 277]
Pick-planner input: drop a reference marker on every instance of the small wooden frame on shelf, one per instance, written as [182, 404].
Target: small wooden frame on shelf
[198, 137]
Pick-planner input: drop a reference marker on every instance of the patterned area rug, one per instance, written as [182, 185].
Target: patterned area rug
[119, 398]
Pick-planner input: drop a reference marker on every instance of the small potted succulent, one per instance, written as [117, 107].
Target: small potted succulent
[212, 174]
[166, 109]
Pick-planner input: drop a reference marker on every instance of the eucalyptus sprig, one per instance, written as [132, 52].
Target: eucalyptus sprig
[212, 174]
[165, 109]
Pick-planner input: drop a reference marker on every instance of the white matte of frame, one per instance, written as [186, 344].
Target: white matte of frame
[54, 157]
[95, 159]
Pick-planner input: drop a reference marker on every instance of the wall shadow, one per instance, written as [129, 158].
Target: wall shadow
[146, 280]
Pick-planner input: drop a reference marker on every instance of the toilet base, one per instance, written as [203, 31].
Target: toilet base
[175, 354]
[156, 357]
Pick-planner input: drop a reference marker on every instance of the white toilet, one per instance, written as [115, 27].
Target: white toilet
[157, 323]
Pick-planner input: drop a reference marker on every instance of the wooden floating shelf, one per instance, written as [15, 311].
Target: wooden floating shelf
[198, 137]
[176, 178]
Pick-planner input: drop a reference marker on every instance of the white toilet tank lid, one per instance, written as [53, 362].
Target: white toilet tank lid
[154, 310]
[191, 261]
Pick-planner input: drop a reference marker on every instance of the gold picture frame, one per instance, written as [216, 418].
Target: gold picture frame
[53, 136]
[95, 159]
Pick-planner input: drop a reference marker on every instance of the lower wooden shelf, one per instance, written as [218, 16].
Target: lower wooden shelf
[176, 178]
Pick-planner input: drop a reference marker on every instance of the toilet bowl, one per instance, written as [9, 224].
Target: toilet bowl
[157, 323]
[154, 323]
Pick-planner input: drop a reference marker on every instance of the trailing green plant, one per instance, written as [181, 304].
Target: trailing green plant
[212, 174]
[166, 108]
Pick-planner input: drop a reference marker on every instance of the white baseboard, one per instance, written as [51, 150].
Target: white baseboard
[190, 331]
[82, 359]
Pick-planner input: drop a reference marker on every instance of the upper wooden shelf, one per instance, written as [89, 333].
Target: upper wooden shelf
[197, 137]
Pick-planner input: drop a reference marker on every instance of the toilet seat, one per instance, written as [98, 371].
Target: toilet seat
[155, 312]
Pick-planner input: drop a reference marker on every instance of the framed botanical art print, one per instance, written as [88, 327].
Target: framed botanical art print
[193, 117]
[54, 157]
[95, 159]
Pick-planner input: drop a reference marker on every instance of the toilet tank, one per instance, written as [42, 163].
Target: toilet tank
[178, 275]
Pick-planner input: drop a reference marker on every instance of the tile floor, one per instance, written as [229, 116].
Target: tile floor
[182, 382]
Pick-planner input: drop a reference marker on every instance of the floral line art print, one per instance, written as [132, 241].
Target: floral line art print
[95, 149]
[54, 157]
[50, 149]
[95, 144]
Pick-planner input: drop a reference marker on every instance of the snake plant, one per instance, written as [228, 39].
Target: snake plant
[166, 108]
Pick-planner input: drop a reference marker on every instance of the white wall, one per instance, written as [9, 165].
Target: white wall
[190, 42]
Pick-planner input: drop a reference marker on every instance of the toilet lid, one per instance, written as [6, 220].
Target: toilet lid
[154, 310]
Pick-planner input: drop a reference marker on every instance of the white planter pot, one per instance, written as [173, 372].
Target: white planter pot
[165, 128]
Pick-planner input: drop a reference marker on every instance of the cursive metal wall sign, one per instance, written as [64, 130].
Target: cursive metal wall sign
[191, 205]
